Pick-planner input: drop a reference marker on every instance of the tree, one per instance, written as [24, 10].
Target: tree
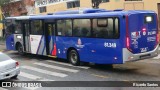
[95, 3]
[13, 7]
[4, 3]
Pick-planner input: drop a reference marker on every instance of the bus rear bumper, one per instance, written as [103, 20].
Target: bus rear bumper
[129, 57]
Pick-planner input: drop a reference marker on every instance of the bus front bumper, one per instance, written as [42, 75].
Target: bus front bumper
[129, 57]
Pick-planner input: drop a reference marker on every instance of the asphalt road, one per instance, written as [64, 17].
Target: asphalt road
[39, 68]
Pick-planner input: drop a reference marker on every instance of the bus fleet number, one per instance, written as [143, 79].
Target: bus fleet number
[111, 45]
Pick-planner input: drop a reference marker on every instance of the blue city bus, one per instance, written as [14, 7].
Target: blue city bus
[92, 35]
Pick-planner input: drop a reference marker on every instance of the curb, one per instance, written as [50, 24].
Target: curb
[4, 50]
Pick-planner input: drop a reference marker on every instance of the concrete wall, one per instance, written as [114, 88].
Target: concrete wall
[151, 5]
[85, 4]
[113, 4]
[131, 5]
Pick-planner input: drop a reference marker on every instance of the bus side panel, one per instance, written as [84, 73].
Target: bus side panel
[104, 51]
[64, 43]
[37, 44]
[10, 42]
[91, 49]
[96, 50]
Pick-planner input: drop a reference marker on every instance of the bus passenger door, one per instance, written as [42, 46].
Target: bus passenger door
[49, 37]
[26, 40]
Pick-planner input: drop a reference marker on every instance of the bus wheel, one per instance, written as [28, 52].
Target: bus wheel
[74, 58]
[20, 49]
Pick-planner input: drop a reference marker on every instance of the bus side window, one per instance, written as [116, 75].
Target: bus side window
[68, 27]
[82, 27]
[109, 30]
[116, 34]
[99, 32]
[9, 29]
[64, 27]
[18, 27]
[36, 27]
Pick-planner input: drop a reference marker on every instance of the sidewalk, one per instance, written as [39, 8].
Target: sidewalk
[2, 45]
[2, 42]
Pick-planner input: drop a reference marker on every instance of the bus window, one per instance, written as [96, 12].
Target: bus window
[18, 27]
[50, 29]
[36, 27]
[116, 34]
[68, 28]
[106, 30]
[64, 27]
[82, 27]
[10, 28]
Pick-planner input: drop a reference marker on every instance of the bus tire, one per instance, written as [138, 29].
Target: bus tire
[20, 49]
[74, 58]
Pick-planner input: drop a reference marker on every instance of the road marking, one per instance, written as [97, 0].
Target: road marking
[31, 88]
[44, 71]
[33, 77]
[3, 88]
[56, 67]
[100, 76]
[66, 64]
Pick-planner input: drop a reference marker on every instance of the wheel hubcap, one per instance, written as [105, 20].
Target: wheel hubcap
[73, 57]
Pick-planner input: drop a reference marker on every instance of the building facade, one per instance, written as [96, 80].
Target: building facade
[51, 6]
[1, 22]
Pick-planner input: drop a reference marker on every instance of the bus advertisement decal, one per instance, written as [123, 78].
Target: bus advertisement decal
[79, 43]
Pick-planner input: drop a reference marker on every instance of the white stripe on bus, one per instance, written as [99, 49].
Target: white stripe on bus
[33, 77]
[56, 67]
[44, 71]
[66, 64]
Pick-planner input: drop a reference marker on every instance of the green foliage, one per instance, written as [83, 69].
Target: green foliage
[3, 2]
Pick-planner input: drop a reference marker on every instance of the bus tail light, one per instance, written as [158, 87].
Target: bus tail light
[127, 42]
[127, 33]
[54, 52]
[157, 38]
[144, 29]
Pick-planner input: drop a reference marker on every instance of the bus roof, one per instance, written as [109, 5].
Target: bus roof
[90, 15]
[87, 13]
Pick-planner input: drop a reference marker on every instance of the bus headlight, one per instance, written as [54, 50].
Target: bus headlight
[19, 37]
